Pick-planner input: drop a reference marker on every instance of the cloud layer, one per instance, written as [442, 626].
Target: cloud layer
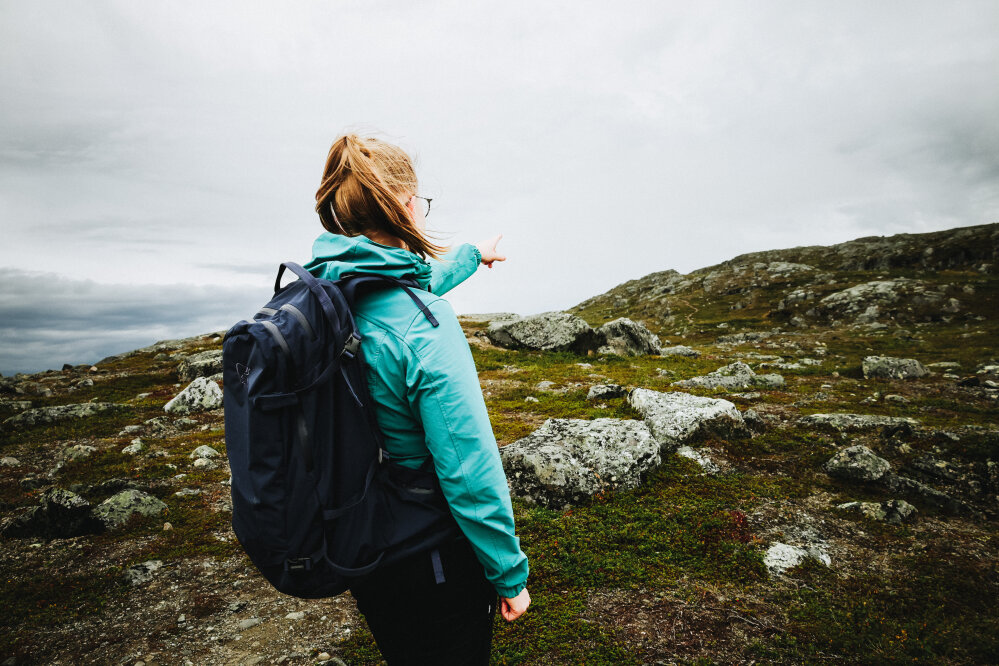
[181, 143]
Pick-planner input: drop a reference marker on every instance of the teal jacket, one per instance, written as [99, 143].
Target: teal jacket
[426, 390]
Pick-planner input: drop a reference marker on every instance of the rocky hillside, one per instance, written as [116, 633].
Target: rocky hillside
[801, 468]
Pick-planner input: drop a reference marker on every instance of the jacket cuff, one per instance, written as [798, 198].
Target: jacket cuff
[478, 255]
[511, 592]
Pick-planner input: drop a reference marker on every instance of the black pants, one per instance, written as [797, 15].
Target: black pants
[416, 619]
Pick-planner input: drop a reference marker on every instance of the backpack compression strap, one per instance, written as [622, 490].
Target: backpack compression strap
[351, 285]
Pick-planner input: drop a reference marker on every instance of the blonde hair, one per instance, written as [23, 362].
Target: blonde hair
[362, 181]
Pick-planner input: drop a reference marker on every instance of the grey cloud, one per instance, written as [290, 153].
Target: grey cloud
[47, 320]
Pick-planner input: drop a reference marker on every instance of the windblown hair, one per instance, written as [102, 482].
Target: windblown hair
[362, 181]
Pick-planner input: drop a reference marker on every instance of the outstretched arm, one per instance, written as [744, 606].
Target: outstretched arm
[458, 265]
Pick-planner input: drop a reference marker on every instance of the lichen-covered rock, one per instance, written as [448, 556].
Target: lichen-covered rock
[625, 337]
[679, 350]
[858, 463]
[134, 448]
[549, 331]
[61, 514]
[736, 376]
[676, 419]
[42, 415]
[892, 511]
[567, 460]
[78, 451]
[202, 364]
[781, 556]
[138, 574]
[204, 451]
[857, 422]
[887, 367]
[201, 395]
[606, 392]
[117, 509]
[701, 457]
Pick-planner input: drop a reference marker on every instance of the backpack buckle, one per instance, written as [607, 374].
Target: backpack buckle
[298, 564]
[351, 347]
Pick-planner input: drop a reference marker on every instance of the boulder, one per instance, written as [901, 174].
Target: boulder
[886, 367]
[676, 419]
[61, 514]
[78, 452]
[201, 395]
[857, 422]
[679, 350]
[735, 376]
[117, 509]
[606, 392]
[549, 331]
[781, 556]
[858, 463]
[44, 415]
[625, 337]
[566, 461]
[202, 364]
[892, 511]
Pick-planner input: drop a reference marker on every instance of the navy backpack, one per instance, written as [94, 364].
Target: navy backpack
[316, 503]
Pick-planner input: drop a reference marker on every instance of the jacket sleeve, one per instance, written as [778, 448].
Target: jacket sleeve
[446, 397]
[453, 268]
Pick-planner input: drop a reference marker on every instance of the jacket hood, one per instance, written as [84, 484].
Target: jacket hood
[334, 255]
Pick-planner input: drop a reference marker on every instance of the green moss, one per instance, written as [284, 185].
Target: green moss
[40, 599]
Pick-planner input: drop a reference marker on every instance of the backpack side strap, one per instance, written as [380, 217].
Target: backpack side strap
[352, 285]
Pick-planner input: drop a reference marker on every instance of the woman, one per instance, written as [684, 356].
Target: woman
[432, 607]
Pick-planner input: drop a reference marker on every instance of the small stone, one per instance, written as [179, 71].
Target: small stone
[135, 447]
[167, 527]
[545, 386]
[142, 573]
[323, 656]
[7, 461]
[249, 623]
[296, 615]
[605, 391]
[186, 492]
[181, 618]
[78, 452]
[531, 398]
[205, 463]
[204, 451]
[858, 463]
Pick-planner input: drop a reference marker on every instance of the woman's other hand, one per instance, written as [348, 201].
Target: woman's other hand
[511, 609]
[488, 250]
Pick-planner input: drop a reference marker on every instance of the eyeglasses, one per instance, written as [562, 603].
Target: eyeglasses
[424, 203]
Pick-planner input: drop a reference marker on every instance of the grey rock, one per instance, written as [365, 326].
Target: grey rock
[679, 350]
[142, 573]
[61, 514]
[567, 460]
[932, 496]
[605, 392]
[44, 415]
[892, 511]
[701, 457]
[676, 419]
[134, 448]
[205, 463]
[249, 623]
[549, 331]
[858, 463]
[625, 337]
[887, 367]
[117, 509]
[747, 336]
[78, 452]
[754, 421]
[204, 451]
[295, 615]
[202, 364]
[858, 422]
[200, 395]
[735, 376]
[8, 461]
[781, 556]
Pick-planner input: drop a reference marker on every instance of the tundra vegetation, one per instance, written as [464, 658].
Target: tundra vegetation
[853, 519]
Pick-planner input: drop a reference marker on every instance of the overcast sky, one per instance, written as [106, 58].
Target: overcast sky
[175, 148]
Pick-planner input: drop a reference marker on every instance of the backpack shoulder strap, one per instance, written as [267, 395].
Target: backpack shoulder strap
[352, 285]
